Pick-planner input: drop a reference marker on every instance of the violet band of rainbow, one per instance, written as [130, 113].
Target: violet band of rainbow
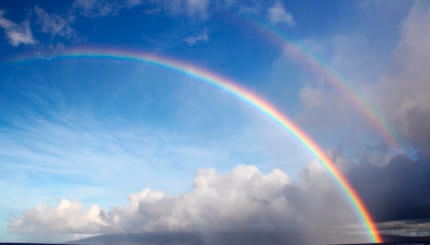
[314, 63]
[241, 93]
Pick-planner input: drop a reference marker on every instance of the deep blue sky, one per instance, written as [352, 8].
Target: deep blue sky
[95, 130]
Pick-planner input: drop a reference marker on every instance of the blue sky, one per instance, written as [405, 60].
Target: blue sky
[95, 130]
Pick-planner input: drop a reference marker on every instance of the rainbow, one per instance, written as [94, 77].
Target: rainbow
[313, 62]
[244, 95]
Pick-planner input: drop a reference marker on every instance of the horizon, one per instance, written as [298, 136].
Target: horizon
[222, 116]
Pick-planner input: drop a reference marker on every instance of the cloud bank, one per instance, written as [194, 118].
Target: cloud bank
[240, 201]
[246, 200]
[219, 202]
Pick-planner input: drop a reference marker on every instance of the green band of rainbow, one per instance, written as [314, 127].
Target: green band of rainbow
[244, 95]
[335, 78]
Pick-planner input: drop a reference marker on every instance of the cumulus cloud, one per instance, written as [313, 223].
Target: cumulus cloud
[240, 201]
[219, 202]
[277, 14]
[16, 33]
[68, 216]
[54, 24]
[202, 37]
[403, 92]
[247, 200]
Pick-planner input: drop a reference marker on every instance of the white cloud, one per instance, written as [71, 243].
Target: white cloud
[247, 200]
[243, 200]
[277, 14]
[202, 37]
[54, 24]
[16, 33]
[220, 202]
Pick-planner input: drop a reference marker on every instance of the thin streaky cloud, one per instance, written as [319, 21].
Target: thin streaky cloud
[193, 40]
[16, 34]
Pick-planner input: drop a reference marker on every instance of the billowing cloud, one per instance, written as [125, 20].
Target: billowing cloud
[277, 14]
[16, 33]
[397, 89]
[247, 200]
[403, 92]
[220, 202]
[202, 37]
[240, 201]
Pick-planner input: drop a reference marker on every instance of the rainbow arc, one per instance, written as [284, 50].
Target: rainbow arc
[241, 93]
[316, 64]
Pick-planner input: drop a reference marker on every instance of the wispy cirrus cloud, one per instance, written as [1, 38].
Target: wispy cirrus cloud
[16, 33]
[95, 8]
[277, 14]
[198, 9]
[54, 24]
[193, 40]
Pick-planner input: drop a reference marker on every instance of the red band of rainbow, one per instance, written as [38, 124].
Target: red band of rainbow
[314, 63]
[244, 95]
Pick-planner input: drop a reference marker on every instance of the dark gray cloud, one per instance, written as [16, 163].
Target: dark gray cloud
[247, 200]
[190, 238]
[407, 228]
[398, 190]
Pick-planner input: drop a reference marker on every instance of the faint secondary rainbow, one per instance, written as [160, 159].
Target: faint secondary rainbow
[335, 78]
[244, 95]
